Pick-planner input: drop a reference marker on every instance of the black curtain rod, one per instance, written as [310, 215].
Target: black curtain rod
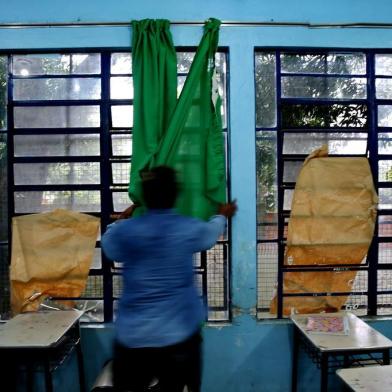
[201, 23]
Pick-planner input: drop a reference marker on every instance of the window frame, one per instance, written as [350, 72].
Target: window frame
[106, 187]
[372, 265]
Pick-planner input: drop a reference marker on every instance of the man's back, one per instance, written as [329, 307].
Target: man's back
[160, 305]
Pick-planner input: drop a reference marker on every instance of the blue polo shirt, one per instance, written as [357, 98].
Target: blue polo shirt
[160, 305]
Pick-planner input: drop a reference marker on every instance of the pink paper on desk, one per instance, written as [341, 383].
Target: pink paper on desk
[335, 325]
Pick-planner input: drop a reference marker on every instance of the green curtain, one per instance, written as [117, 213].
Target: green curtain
[154, 69]
[193, 142]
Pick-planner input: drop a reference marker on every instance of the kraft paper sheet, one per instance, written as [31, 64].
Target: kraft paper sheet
[51, 256]
[332, 221]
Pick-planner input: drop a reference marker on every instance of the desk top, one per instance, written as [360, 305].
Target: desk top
[369, 378]
[38, 329]
[361, 335]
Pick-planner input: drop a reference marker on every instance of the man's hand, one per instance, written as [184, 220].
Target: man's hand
[228, 209]
[126, 213]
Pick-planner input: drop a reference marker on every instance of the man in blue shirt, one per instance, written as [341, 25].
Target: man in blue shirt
[160, 312]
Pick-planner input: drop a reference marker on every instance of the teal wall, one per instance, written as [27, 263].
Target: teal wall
[246, 355]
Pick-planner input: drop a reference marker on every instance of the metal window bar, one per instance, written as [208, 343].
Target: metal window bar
[279, 163]
[224, 23]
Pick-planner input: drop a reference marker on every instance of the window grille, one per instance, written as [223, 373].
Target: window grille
[68, 134]
[305, 99]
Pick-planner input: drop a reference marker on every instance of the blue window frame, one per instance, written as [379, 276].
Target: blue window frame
[306, 98]
[69, 145]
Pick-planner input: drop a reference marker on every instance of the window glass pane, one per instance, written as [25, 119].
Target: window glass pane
[217, 269]
[3, 188]
[287, 199]
[383, 88]
[117, 286]
[291, 170]
[324, 116]
[384, 116]
[338, 143]
[120, 172]
[122, 145]
[86, 63]
[57, 117]
[56, 173]
[196, 260]
[3, 91]
[338, 63]
[56, 145]
[384, 304]
[184, 61]
[97, 259]
[220, 80]
[385, 143]
[267, 276]
[94, 287]
[122, 116]
[41, 64]
[319, 87]
[385, 227]
[357, 304]
[56, 64]
[198, 282]
[385, 171]
[385, 198]
[44, 201]
[121, 201]
[385, 250]
[267, 188]
[121, 63]
[384, 280]
[180, 84]
[56, 89]
[214, 315]
[265, 74]
[383, 64]
[268, 228]
[121, 87]
[285, 228]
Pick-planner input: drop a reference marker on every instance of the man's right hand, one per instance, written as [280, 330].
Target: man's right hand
[228, 209]
[127, 213]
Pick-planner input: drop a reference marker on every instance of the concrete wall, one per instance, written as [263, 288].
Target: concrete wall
[246, 355]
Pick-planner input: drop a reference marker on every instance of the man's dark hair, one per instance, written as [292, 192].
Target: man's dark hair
[159, 187]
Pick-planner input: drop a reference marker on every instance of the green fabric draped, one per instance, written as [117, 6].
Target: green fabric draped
[192, 141]
[154, 69]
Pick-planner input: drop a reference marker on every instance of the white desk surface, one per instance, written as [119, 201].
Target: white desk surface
[368, 379]
[361, 335]
[38, 329]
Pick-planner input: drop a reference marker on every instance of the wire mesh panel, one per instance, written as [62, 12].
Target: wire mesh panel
[267, 274]
[217, 287]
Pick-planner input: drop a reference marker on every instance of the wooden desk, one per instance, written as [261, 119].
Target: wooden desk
[41, 337]
[343, 350]
[366, 379]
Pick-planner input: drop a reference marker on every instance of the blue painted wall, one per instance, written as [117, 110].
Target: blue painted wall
[246, 355]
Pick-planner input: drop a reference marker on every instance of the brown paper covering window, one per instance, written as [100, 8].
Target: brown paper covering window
[332, 221]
